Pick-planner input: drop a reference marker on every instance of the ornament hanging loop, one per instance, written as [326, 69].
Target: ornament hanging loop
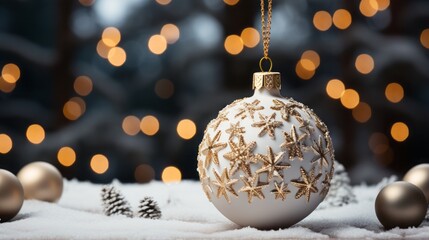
[269, 61]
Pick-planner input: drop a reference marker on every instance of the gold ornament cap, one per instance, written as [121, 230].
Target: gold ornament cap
[267, 80]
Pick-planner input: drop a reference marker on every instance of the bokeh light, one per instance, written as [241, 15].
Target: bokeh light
[383, 4]
[350, 98]
[66, 156]
[170, 32]
[394, 92]
[131, 125]
[362, 112]
[74, 108]
[231, 2]
[364, 63]
[111, 36]
[368, 8]
[99, 163]
[303, 72]
[10, 73]
[171, 174]
[149, 125]
[342, 18]
[250, 37]
[378, 143]
[312, 56]
[424, 38]
[163, 2]
[399, 131]
[335, 88]
[5, 143]
[233, 44]
[6, 87]
[157, 44]
[144, 173]
[103, 49]
[322, 20]
[164, 88]
[83, 85]
[186, 129]
[117, 56]
[35, 133]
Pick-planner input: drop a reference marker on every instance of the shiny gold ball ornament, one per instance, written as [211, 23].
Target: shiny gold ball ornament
[266, 161]
[419, 176]
[41, 181]
[400, 204]
[11, 195]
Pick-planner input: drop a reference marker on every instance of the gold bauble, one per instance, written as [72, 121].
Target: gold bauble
[419, 176]
[41, 181]
[11, 195]
[400, 204]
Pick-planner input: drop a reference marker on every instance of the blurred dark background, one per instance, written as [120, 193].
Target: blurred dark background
[123, 89]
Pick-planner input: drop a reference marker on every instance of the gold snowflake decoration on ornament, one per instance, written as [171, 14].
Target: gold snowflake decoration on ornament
[224, 184]
[286, 109]
[272, 164]
[321, 153]
[249, 108]
[216, 122]
[293, 143]
[305, 125]
[235, 130]
[240, 156]
[267, 124]
[307, 185]
[326, 183]
[212, 148]
[253, 188]
[280, 191]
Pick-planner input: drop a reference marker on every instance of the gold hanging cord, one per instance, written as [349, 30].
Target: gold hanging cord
[266, 33]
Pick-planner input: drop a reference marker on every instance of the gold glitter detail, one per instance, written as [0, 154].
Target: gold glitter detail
[286, 110]
[252, 187]
[249, 108]
[212, 149]
[280, 191]
[320, 152]
[307, 185]
[326, 183]
[272, 164]
[224, 184]
[240, 156]
[329, 146]
[235, 130]
[305, 125]
[267, 124]
[216, 122]
[292, 144]
[267, 80]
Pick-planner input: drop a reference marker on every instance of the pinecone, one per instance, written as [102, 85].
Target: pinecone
[148, 208]
[340, 193]
[114, 202]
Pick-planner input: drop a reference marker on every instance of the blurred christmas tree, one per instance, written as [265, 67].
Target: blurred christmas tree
[123, 89]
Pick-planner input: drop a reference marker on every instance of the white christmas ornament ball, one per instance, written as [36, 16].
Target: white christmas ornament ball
[266, 161]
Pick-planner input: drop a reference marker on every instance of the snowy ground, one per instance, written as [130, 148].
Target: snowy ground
[186, 214]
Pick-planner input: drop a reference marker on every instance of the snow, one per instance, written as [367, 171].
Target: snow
[186, 213]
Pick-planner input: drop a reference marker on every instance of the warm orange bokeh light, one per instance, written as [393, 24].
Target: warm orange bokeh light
[10, 73]
[424, 38]
[170, 32]
[103, 49]
[368, 8]
[186, 129]
[83, 85]
[250, 37]
[131, 125]
[394, 92]
[35, 133]
[335, 88]
[313, 56]
[342, 19]
[66, 156]
[350, 98]
[399, 131]
[364, 63]
[117, 56]
[111, 36]
[302, 67]
[149, 125]
[99, 163]
[5, 143]
[322, 20]
[171, 174]
[362, 112]
[157, 44]
[74, 108]
[231, 2]
[233, 44]
[163, 2]
[383, 4]
[6, 87]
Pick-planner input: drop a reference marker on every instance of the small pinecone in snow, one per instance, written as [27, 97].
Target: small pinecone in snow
[340, 193]
[114, 202]
[148, 208]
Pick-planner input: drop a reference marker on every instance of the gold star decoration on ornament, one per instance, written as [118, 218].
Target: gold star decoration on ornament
[212, 149]
[319, 124]
[272, 164]
[326, 183]
[293, 143]
[307, 185]
[253, 188]
[321, 153]
[280, 191]
[286, 109]
[216, 122]
[249, 108]
[205, 182]
[305, 125]
[235, 130]
[240, 156]
[267, 124]
[224, 185]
